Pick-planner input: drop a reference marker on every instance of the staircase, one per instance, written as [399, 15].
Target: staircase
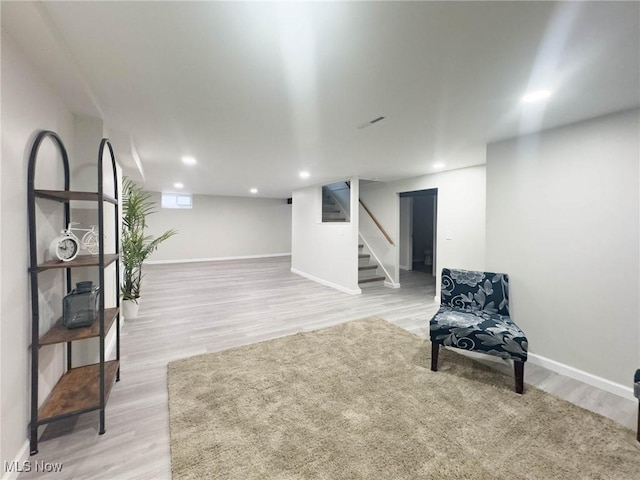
[367, 270]
[332, 212]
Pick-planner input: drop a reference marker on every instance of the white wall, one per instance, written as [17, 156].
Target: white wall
[563, 221]
[222, 227]
[325, 252]
[461, 215]
[28, 105]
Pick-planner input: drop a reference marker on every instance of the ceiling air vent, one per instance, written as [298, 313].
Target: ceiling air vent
[370, 122]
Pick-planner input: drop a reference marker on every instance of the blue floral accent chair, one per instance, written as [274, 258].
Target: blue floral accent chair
[474, 316]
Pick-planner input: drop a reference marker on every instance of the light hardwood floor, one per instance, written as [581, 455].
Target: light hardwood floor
[195, 308]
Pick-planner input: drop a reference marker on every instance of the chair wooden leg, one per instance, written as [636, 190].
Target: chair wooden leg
[434, 356]
[518, 368]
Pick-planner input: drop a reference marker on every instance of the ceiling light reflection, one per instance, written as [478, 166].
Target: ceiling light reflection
[536, 96]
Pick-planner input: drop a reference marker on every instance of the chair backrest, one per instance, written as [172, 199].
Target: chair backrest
[471, 290]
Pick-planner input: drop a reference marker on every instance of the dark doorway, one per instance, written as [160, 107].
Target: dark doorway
[418, 230]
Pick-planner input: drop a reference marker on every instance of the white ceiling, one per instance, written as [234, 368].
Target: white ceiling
[259, 91]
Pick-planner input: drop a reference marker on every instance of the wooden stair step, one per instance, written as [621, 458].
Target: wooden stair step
[367, 267]
[371, 279]
[364, 255]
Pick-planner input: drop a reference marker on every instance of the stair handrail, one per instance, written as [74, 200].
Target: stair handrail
[375, 220]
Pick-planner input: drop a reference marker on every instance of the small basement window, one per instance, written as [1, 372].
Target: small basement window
[176, 200]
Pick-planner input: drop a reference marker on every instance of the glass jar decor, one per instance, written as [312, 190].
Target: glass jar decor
[80, 307]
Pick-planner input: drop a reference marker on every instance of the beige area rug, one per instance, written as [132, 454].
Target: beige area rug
[358, 401]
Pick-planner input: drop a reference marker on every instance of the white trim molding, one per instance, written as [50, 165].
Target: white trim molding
[390, 284]
[20, 462]
[355, 291]
[582, 376]
[216, 259]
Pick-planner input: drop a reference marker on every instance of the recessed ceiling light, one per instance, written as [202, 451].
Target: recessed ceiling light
[178, 185]
[438, 165]
[304, 174]
[536, 96]
[189, 160]
[254, 190]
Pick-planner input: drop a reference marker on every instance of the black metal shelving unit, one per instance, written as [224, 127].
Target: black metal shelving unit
[86, 388]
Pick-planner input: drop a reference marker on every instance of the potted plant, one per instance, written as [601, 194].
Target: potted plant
[136, 245]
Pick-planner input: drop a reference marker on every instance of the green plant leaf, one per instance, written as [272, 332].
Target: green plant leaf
[136, 246]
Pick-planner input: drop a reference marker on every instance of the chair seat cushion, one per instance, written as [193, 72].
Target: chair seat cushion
[480, 331]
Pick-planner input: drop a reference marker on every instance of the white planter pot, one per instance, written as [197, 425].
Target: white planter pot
[130, 309]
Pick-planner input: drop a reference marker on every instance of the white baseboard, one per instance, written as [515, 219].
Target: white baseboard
[215, 259]
[390, 284]
[355, 291]
[582, 376]
[20, 459]
[404, 267]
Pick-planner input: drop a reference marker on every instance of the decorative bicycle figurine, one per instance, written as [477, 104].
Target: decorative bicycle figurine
[67, 246]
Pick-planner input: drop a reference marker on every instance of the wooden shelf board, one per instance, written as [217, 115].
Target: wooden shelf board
[65, 196]
[79, 261]
[61, 334]
[78, 391]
